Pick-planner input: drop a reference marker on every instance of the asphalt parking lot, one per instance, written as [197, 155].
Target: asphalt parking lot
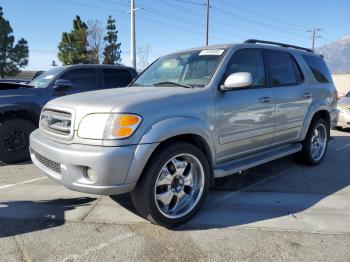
[281, 211]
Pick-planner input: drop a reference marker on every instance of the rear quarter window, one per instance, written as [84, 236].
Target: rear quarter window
[319, 68]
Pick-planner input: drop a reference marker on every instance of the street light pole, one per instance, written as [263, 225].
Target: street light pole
[207, 29]
[314, 36]
[132, 34]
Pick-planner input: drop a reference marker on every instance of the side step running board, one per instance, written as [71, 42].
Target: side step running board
[247, 162]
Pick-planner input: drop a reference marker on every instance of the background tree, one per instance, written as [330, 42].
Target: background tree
[73, 48]
[112, 49]
[95, 37]
[12, 58]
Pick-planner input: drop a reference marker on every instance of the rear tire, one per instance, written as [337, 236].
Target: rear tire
[173, 185]
[14, 140]
[316, 143]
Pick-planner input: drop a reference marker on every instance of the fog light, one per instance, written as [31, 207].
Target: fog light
[91, 175]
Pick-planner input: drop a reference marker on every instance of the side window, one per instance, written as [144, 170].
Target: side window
[318, 68]
[248, 60]
[282, 67]
[299, 75]
[114, 78]
[81, 79]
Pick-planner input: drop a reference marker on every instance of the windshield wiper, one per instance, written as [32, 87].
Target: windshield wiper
[172, 83]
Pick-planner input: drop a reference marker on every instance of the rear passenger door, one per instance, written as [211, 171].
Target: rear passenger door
[286, 80]
[114, 78]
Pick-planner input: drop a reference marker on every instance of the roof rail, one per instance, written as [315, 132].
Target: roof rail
[254, 41]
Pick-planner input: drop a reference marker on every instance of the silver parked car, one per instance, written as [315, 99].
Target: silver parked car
[190, 117]
[344, 111]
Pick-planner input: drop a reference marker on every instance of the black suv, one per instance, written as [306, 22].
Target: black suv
[21, 104]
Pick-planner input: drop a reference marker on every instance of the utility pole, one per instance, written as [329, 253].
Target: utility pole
[132, 34]
[207, 30]
[314, 36]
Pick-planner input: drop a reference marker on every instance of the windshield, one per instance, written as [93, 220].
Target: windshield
[188, 69]
[348, 94]
[43, 80]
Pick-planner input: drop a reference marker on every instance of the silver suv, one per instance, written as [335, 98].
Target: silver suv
[190, 117]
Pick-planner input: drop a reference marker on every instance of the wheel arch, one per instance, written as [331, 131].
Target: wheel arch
[320, 113]
[28, 112]
[185, 129]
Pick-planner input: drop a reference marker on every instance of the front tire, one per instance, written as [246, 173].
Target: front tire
[316, 143]
[14, 140]
[173, 185]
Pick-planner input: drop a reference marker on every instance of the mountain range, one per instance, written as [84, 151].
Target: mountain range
[337, 55]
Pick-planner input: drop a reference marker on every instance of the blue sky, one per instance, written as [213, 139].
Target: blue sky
[170, 25]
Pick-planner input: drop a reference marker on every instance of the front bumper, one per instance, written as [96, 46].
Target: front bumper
[68, 164]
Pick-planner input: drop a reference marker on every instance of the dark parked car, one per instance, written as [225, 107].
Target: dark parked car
[21, 104]
[21, 81]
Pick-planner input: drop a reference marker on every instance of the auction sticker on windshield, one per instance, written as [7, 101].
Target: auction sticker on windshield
[212, 52]
[49, 77]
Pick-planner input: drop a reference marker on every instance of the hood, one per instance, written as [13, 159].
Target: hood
[117, 97]
[12, 85]
[129, 99]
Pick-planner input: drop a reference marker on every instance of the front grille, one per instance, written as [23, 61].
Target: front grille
[56, 122]
[52, 165]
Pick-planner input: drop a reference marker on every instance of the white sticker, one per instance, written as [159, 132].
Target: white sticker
[49, 77]
[212, 52]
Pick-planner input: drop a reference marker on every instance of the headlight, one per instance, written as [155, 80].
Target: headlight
[108, 126]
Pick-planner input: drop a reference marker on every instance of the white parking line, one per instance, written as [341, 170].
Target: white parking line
[99, 247]
[23, 182]
[342, 147]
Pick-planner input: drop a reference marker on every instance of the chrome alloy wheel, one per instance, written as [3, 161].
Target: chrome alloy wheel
[318, 142]
[179, 186]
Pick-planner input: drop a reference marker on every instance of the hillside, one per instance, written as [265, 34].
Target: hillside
[337, 55]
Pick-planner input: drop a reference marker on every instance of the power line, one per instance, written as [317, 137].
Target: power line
[301, 28]
[252, 21]
[214, 29]
[92, 6]
[188, 2]
[116, 3]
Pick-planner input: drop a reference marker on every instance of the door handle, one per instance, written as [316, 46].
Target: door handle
[60, 93]
[307, 95]
[265, 99]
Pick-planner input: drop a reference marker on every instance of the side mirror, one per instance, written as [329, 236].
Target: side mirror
[62, 84]
[237, 80]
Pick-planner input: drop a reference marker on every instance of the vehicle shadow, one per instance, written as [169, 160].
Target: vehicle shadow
[48, 213]
[280, 188]
[17, 164]
[277, 189]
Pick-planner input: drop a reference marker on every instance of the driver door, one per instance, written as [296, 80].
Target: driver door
[244, 117]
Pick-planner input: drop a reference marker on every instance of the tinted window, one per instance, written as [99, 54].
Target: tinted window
[282, 68]
[248, 60]
[348, 94]
[318, 68]
[116, 78]
[81, 79]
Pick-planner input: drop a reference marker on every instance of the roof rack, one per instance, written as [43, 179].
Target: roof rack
[254, 41]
